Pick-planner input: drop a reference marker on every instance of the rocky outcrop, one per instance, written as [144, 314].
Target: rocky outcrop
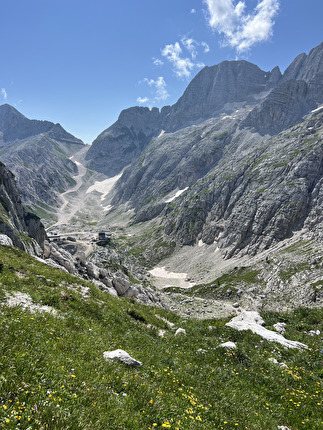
[23, 228]
[284, 106]
[308, 68]
[251, 320]
[106, 277]
[172, 162]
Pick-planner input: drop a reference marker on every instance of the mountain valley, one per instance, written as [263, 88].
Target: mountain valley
[204, 211]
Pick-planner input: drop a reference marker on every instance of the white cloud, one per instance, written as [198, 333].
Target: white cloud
[193, 11]
[142, 100]
[157, 62]
[4, 93]
[241, 29]
[191, 45]
[182, 66]
[160, 87]
[206, 47]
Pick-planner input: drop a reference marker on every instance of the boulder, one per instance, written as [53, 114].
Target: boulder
[5, 240]
[121, 284]
[93, 271]
[62, 257]
[228, 345]
[123, 356]
[180, 331]
[104, 288]
[280, 327]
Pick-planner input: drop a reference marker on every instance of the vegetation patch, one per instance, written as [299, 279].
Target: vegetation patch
[53, 375]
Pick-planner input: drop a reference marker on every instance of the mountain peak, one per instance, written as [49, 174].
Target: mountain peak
[308, 68]
[15, 126]
[220, 87]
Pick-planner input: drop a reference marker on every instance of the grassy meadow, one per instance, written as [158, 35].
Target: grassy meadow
[53, 375]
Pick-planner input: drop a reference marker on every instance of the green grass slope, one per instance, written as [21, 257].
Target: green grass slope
[53, 375]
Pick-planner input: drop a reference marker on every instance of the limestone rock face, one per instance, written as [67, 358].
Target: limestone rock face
[222, 87]
[284, 106]
[259, 194]
[23, 228]
[308, 68]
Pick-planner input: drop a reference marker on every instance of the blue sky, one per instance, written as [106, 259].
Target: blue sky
[80, 62]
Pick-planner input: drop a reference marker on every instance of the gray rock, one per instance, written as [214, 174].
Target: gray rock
[251, 320]
[121, 284]
[104, 288]
[228, 345]
[123, 142]
[314, 332]
[23, 228]
[5, 240]
[180, 331]
[122, 356]
[93, 270]
[63, 258]
[280, 327]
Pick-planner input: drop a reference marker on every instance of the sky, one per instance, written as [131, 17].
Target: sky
[80, 62]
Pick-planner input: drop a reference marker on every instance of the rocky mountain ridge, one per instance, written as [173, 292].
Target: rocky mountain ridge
[38, 153]
[274, 100]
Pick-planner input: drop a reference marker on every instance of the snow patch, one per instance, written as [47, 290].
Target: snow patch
[103, 187]
[108, 208]
[317, 109]
[178, 193]
[161, 133]
[161, 272]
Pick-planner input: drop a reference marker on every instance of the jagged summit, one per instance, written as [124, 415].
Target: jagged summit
[15, 126]
[308, 68]
[222, 87]
[299, 91]
[275, 101]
